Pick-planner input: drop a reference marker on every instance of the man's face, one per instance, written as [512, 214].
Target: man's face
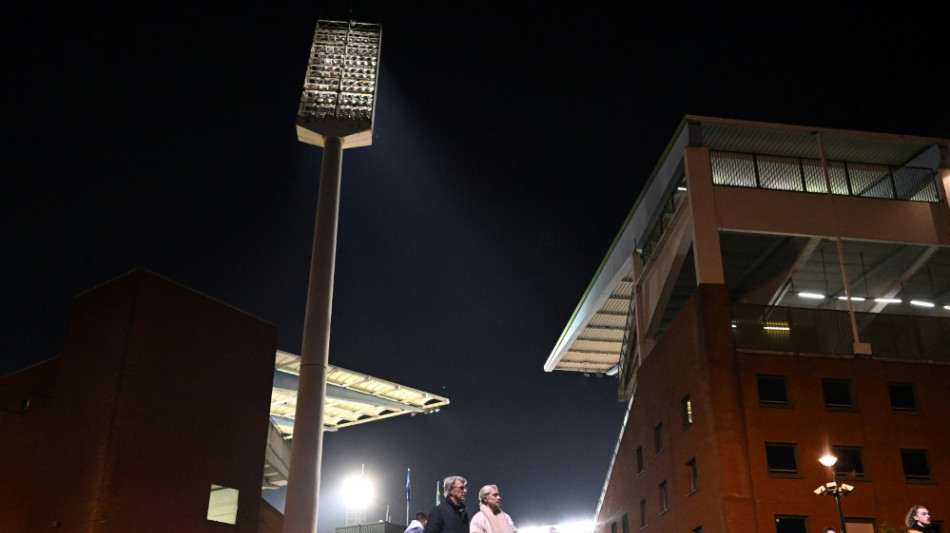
[923, 516]
[457, 492]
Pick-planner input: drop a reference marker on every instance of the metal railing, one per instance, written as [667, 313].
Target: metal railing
[821, 331]
[673, 201]
[784, 173]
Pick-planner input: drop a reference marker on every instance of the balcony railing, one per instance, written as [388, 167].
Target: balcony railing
[821, 331]
[847, 178]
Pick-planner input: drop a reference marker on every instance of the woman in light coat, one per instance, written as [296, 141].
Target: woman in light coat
[490, 518]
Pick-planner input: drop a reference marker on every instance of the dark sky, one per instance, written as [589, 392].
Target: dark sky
[509, 146]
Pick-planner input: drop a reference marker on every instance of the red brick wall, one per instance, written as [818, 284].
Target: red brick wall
[161, 392]
[696, 356]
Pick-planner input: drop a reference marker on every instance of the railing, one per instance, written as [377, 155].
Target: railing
[666, 216]
[821, 331]
[785, 173]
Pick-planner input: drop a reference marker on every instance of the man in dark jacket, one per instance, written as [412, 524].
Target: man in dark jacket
[450, 515]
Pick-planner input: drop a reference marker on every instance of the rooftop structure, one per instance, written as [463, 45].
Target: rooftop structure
[777, 293]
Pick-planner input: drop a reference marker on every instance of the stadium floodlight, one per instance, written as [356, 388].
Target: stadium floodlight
[336, 112]
[339, 91]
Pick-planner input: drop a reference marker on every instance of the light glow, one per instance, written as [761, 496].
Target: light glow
[357, 492]
[921, 303]
[853, 298]
[887, 300]
[828, 460]
[580, 526]
[776, 328]
[811, 295]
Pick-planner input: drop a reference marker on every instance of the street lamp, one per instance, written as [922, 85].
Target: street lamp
[336, 112]
[833, 488]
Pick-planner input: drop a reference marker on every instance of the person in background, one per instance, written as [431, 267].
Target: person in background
[918, 519]
[829, 529]
[450, 516]
[417, 524]
[490, 518]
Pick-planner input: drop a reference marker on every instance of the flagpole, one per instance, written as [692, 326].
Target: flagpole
[408, 491]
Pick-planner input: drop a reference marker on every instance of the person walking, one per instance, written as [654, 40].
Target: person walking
[918, 519]
[450, 516]
[418, 523]
[490, 518]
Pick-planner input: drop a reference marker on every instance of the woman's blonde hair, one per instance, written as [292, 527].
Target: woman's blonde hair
[482, 492]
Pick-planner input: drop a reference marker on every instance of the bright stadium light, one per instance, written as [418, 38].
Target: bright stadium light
[579, 526]
[358, 492]
[339, 92]
[336, 112]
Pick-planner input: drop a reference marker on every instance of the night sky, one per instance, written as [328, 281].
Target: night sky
[509, 146]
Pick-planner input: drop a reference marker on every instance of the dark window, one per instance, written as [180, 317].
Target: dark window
[916, 466]
[658, 437]
[781, 458]
[790, 524]
[902, 397]
[693, 477]
[639, 459]
[613, 527]
[698, 529]
[849, 461]
[664, 497]
[625, 523]
[772, 390]
[643, 513]
[687, 412]
[837, 393]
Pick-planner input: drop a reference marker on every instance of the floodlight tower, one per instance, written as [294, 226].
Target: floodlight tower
[336, 112]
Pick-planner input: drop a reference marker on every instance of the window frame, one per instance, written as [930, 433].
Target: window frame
[686, 411]
[658, 442]
[837, 382]
[844, 453]
[891, 385]
[664, 493]
[775, 471]
[916, 478]
[783, 403]
[693, 476]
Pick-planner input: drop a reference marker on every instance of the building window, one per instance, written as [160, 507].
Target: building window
[693, 477]
[698, 529]
[639, 459]
[781, 458]
[658, 437]
[664, 497]
[613, 527]
[223, 504]
[902, 397]
[849, 463]
[790, 524]
[625, 523]
[643, 514]
[772, 391]
[687, 412]
[916, 466]
[837, 393]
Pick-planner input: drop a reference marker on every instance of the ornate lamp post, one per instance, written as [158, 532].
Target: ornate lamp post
[336, 112]
[833, 488]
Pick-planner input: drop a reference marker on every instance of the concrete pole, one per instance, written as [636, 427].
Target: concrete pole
[303, 484]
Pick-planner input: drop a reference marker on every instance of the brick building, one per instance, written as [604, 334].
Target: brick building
[777, 293]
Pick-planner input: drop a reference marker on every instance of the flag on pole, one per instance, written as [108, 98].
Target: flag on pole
[408, 490]
[438, 496]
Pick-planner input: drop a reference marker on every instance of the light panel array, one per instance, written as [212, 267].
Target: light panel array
[342, 71]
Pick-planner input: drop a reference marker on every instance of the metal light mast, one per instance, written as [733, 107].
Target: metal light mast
[336, 112]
